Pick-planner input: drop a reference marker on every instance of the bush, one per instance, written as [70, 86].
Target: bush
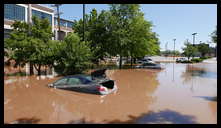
[196, 60]
[205, 57]
[74, 56]
[186, 61]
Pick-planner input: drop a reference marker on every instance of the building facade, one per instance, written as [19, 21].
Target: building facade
[65, 28]
[19, 12]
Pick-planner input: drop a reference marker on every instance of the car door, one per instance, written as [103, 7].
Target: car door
[74, 83]
[146, 65]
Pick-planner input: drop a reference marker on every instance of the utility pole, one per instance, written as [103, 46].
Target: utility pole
[83, 21]
[58, 19]
[166, 48]
[174, 49]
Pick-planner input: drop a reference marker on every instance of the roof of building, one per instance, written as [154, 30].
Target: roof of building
[64, 19]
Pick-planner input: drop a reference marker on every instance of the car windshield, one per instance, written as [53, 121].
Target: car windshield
[61, 81]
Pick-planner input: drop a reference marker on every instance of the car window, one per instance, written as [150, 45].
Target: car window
[73, 81]
[149, 64]
[89, 78]
[85, 80]
[61, 81]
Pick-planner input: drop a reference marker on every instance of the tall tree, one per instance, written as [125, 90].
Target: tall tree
[26, 44]
[203, 49]
[95, 33]
[122, 31]
[214, 36]
[189, 50]
[131, 33]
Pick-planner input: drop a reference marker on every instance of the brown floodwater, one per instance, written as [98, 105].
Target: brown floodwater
[173, 95]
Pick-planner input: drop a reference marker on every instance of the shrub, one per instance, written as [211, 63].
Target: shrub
[205, 57]
[196, 60]
[74, 56]
[186, 61]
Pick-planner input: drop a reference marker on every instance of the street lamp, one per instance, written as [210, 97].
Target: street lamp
[166, 49]
[174, 49]
[194, 37]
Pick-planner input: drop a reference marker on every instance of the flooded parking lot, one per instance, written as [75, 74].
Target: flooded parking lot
[180, 93]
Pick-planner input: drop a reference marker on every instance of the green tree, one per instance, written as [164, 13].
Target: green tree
[95, 33]
[214, 36]
[203, 49]
[189, 50]
[27, 44]
[170, 53]
[74, 55]
[131, 33]
[122, 30]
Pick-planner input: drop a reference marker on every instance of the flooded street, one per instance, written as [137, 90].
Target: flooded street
[180, 93]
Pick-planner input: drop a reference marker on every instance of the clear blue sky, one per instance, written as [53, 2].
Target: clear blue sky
[170, 20]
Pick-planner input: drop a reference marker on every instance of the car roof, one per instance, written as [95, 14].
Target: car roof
[76, 76]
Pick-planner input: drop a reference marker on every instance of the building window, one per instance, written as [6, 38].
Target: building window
[14, 12]
[70, 24]
[63, 23]
[7, 33]
[42, 15]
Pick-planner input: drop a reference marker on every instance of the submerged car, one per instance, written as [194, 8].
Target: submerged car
[96, 83]
[142, 61]
[180, 60]
[150, 65]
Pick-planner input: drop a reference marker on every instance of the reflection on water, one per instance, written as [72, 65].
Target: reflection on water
[143, 96]
[180, 91]
[201, 72]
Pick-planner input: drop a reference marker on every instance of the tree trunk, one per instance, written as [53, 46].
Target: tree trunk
[45, 70]
[19, 67]
[131, 61]
[134, 60]
[31, 69]
[39, 69]
[120, 63]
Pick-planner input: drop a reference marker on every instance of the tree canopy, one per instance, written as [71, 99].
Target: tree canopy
[121, 30]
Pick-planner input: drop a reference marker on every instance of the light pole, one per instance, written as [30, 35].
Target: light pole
[29, 66]
[194, 37]
[83, 20]
[58, 19]
[166, 49]
[174, 49]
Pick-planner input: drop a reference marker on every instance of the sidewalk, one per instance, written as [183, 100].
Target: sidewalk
[211, 60]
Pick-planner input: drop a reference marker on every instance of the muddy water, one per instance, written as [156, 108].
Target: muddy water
[185, 95]
[172, 95]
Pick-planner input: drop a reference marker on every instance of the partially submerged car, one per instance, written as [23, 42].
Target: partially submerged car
[180, 60]
[142, 61]
[96, 83]
[150, 65]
